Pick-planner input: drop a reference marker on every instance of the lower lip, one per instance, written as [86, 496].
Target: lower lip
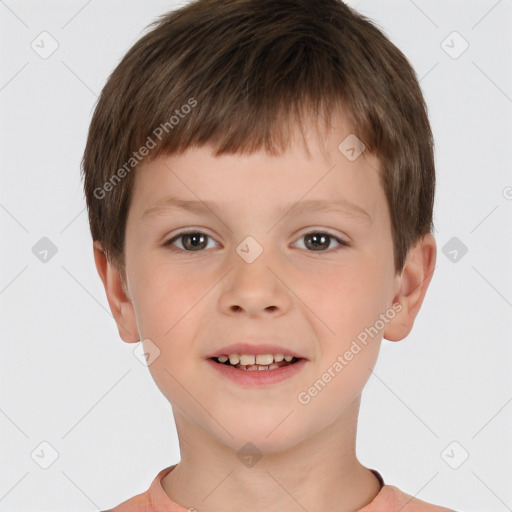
[258, 377]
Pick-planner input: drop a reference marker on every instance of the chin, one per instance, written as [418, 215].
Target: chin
[269, 434]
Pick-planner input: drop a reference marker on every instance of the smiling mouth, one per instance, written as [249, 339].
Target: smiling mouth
[235, 361]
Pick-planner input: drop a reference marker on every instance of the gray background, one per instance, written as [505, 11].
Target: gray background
[67, 379]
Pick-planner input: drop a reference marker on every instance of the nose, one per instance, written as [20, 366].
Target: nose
[255, 289]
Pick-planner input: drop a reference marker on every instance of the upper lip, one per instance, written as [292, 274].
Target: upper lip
[254, 349]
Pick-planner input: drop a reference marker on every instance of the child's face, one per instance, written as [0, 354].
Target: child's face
[314, 303]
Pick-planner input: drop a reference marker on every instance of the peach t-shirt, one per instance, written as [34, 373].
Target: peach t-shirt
[389, 499]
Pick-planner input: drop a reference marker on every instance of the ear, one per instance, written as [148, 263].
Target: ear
[117, 296]
[411, 285]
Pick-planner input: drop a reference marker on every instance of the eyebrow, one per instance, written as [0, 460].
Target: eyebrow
[308, 205]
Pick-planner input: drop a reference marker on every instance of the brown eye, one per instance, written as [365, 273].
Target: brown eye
[191, 241]
[321, 242]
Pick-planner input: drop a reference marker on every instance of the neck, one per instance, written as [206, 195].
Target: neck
[319, 473]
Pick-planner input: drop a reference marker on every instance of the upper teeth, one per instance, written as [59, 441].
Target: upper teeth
[248, 359]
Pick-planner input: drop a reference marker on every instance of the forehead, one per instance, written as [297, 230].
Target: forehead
[319, 165]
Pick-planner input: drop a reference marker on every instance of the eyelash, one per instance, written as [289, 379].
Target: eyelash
[168, 243]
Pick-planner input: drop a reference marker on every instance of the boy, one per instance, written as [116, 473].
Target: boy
[259, 176]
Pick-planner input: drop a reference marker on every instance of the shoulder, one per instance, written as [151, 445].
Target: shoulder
[152, 500]
[392, 499]
[140, 503]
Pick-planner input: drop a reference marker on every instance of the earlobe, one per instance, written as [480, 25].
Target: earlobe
[412, 284]
[117, 296]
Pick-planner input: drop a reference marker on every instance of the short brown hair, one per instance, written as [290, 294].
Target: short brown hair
[248, 71]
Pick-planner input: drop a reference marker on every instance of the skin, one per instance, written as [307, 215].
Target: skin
[313, 301]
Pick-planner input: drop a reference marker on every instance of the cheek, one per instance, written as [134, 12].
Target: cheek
[164, 296]
[167, 302]
[339, 384]
[345, 299]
